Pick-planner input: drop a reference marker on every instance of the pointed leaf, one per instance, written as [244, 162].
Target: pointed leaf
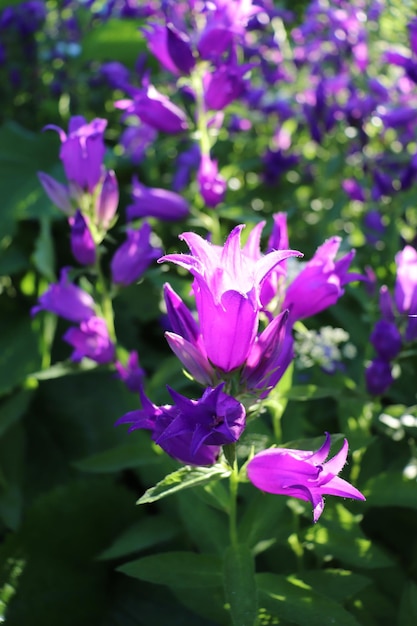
[146, 533]
[184, 478]
[176, 569]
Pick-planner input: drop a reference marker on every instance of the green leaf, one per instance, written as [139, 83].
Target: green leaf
[12, 458]
[391, 489]
[337, 584]
[184, 478]
[206, 526]
[115, 40]
[132, 454]
[339, 536]
[240, 585]
[291, 599]
[310, 392]
[12, 409]
[176, 569]
[44, 255]
[408, 607]
[148, 532]
[19, 353]
[64, 368]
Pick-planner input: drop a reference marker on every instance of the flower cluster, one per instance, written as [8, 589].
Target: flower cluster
[398, 323]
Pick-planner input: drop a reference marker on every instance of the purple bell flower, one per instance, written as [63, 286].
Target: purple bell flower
[191, 431]
[302, 474]
[378, 376]
[66, 300]
[82, 151]
[153, 202]
[91, 340]
[136, 140]
[227, 286]
[107, 201]
[134, 256]
[131, 373]
[386, 339]
[154, 109]
[224, 85]
[211, 184]
[405, 291]
[82, 242]
[320, 283]
[58, 193]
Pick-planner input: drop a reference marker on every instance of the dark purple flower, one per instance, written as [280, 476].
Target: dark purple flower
[82, 151]
[224, 85]
[185, 163]
[353, 189]
[374, 226]
[91, 340]
[378, 376]
[116, 74]
[154, 202]
[131, 373]
[386, 339]
[134, 256]
[136, 140]
[191, 431]
[82, 242]
[211, 184]
[302, 474]
[154, 109]
[66, 300]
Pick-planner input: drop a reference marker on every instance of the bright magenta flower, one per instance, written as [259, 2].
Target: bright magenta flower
[227, 286]
[302, 474]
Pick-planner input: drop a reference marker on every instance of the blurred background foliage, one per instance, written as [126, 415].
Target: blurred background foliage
[69, 479]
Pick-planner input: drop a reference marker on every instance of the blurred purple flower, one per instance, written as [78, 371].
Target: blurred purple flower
[58, 193]
[212, 185]
[154, 109]
[134, 256]
[66, 300]
[131, 373]
[136, 140]
[116, 74]
[405, 291]
[91, 340]
[353, 189]
[185, 163]
[224, 85]
[82, 150]
[191, 431]
[378, 376]
[320, 283]
[302, 474]
[82, 243]
[107, 201]
[154, 202]
[386, 339]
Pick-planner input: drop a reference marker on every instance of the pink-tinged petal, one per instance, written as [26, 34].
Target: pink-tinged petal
[318, 505]
[340, 487]
[271, 260]
[252, 247]
[186, 261]
[322, 453]
[192, 358]
[231, 257]
[61, 133]
[335, 464]
[203, 250]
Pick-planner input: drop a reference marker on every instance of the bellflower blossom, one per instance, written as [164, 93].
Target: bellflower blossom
[131, 373]
[154, 109]
[227, 286]
[211, 184]
[66, 300]
[134, 256]
[302, 474]
[191, 431]
[91, 340]
[82, 150]
[320, 283]
[82, 242]
[154, 202]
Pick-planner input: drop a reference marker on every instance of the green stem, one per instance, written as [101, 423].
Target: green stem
[105, 299]
[234, 487]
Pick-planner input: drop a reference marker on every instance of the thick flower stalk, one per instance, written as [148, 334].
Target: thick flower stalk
[302, 474]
